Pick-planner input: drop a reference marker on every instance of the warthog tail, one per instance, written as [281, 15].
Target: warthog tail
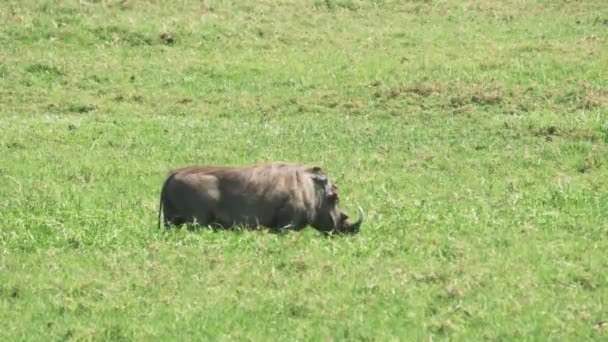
[163, 191]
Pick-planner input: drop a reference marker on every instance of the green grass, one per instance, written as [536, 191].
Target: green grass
[473, 133]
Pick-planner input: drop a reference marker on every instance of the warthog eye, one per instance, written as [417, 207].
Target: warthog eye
[333, 197]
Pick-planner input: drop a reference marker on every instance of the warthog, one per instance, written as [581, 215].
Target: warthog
[275, 195]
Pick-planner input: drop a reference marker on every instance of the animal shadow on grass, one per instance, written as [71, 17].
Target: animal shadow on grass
[195, 227]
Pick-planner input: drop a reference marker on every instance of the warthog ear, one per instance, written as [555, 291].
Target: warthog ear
[315, 169]
[317, 174]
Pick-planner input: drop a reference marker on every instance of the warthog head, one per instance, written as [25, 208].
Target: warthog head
[329, 218]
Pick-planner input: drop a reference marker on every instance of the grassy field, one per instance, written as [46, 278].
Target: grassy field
[473, 133]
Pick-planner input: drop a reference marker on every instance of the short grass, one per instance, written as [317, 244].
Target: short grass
[473, 133]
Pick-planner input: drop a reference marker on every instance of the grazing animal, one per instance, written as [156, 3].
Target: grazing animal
[274, 195]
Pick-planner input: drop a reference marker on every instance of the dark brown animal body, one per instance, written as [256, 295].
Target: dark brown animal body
[275, 195]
